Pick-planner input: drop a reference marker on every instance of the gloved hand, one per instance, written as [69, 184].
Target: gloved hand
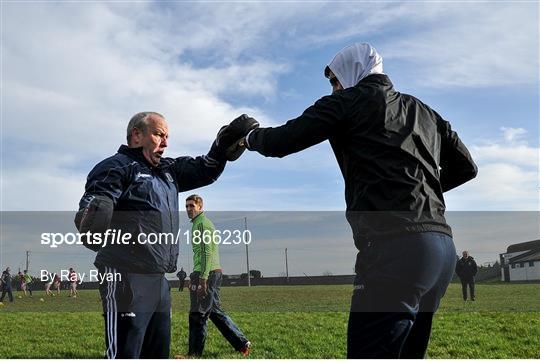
[230, 138]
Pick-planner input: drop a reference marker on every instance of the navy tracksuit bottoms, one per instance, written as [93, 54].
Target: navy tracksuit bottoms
[398, 286]
[137, 311]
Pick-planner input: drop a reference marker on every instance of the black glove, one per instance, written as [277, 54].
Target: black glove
[230, 139]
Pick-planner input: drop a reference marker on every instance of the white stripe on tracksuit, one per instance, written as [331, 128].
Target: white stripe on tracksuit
[111, 316]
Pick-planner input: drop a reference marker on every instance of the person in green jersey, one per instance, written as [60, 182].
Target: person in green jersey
[205, 283]
[27, 282]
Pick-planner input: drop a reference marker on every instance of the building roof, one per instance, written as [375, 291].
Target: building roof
[533, 255]
[525, 246]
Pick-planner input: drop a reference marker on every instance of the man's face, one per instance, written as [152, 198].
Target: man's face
[193, 209]
[336, 85]
[153, 140]
[465, 254]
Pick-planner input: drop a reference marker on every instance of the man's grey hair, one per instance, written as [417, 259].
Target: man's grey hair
[139, 121]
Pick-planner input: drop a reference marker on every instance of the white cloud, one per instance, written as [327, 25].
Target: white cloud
[521, 155]
[508, 176]
[472, 45]
[505, 185]
[73, 73]
[258, 78]
[43, 184]
[513, 135]
[441, 45]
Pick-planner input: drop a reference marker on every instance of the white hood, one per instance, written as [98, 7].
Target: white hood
[354, 63]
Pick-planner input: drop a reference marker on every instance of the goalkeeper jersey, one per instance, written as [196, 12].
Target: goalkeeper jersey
[205, 246]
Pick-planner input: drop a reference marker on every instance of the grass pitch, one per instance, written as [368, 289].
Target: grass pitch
[282, 322]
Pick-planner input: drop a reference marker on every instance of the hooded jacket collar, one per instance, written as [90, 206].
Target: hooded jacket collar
[381, 79]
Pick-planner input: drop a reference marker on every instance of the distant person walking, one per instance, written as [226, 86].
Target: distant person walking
[48, 283]
[466, 269]
[56, 284]
[27, 281]
[182, 277]
[6, 285]
[20, 284]
[72, 283]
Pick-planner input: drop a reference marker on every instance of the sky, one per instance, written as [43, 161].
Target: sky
[73, 74]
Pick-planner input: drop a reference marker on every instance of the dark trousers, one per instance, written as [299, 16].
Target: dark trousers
[398, 286]
[9, 292]
[137, 311]
[210, 307]
[470, 283]
[181, 285]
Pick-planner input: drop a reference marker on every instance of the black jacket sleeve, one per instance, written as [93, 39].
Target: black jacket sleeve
[474, 269]
[318, 123]
[457, 165]
[198, 172]
[104, 186]
[459, 268]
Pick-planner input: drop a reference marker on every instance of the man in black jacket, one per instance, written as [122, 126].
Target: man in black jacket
[466, 269]
[6, 285]
[135, 193]
[397, 157]
[182, 279]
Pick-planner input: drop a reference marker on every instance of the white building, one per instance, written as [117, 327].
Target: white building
[521, 262]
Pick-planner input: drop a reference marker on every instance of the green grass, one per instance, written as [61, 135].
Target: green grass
[283, 322]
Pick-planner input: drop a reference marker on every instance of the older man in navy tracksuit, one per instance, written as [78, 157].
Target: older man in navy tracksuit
[136, 191]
